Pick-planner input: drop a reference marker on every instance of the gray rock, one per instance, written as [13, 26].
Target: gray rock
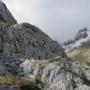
[22, 41]
[62, 82]
[86, 71]
[83, 87]
[81, 34]
[25, 51]
[5, 15]
[56, 79]
[31, 69]
[29, 41]
[76, 68]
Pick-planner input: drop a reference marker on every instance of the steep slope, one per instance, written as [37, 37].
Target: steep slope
[29, 41]
[5, 15]
[20, 47]
[21, 41]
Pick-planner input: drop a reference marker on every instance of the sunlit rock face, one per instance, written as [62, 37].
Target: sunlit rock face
[29, 41]
[54, 75]
[83, 87]
[83, 33]
[56, 79]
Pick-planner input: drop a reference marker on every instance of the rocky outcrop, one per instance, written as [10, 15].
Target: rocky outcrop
[55, 75]
[5, 15]
[81, 34]
[28, 53]
[29, 41]
[56, 79]
[83, 87]
[50, 75]
[24, 41]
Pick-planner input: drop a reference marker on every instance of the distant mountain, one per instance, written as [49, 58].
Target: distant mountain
[5, 15]
[79, 47]
[82, 37]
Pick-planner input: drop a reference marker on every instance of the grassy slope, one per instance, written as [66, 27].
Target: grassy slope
[22, 84]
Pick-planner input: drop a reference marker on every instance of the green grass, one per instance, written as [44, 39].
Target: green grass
[22, 84]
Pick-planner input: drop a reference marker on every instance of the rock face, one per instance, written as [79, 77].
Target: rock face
[81, 34]
[79, 47]
[83, 87]
[27, 52]
[55, 76]
[19, 41]
[25, 39]
[31, 42]
[31, 69]
[5, 15]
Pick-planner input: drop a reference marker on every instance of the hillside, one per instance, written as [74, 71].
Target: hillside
[31, 60]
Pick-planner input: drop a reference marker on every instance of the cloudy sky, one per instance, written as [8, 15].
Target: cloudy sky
[60, 19]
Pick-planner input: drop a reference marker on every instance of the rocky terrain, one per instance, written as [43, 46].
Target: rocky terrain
[34, 61]
[24, 41]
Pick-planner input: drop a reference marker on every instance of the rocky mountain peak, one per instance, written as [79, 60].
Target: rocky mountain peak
[25, 39]
[19, 42]
[81, 34]
[5, 15]
[29, 41]
[81, 38]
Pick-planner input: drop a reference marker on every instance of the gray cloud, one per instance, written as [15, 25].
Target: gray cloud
[60, 19]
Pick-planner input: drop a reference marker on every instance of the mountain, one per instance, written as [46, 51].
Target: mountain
[79, 47]
[30, 59]
[19, 42]
[82, 37]
[5, 15]
[29, 41]
[83, 33]
[25, 39]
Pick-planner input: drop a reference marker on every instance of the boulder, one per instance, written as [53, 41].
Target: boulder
[56, 79]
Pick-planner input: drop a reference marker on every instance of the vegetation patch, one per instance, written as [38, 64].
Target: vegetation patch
[22, 84]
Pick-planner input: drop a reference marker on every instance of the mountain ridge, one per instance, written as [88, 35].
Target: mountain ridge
[81, 37]
[5, 15]
[30, 59]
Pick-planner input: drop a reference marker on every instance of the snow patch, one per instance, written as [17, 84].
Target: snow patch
[78, 43]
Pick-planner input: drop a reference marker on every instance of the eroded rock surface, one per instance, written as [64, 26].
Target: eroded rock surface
[5, 15]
